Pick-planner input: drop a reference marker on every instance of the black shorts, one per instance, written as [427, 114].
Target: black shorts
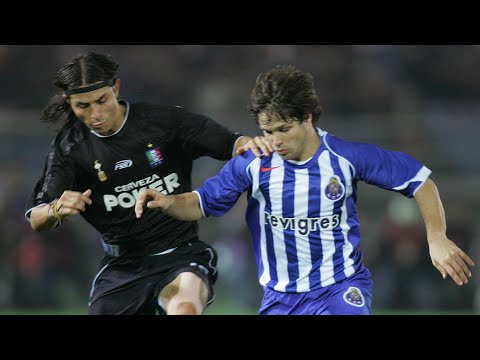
[127, 286]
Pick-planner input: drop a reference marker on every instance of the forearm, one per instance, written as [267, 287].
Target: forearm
[42, 218]
[184, 207]
[431, 207]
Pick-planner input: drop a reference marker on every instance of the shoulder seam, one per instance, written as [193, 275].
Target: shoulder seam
[340, 156]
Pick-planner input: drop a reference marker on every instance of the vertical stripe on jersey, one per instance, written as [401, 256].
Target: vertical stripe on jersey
[263, 267]
[271, 262]
[351, 253]
[289, 197]
[314, 206]
[347, 208]
[276, 190]
[338, 234]
[326, 209]
[303, 208]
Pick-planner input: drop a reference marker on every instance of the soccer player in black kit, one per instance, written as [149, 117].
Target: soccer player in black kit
[106, 151]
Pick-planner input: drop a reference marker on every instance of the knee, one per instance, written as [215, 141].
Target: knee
[186, 308]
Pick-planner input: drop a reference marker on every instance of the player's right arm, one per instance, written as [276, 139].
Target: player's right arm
[50, 202]
[42, 218]
[47, 216]
[184, 206]
[215, 197]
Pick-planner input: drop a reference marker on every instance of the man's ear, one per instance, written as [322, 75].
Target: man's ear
[66, 98]
[116, 87]
[309, 118]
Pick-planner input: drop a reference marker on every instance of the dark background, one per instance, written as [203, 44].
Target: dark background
[422, 100]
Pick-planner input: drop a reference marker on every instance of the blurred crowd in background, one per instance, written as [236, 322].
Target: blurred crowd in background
[423, 100]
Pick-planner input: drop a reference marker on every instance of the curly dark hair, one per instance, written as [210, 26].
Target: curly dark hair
[287, 92]
[86, 68]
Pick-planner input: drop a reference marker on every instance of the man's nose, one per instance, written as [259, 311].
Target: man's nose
[277, 140]
[95, 113]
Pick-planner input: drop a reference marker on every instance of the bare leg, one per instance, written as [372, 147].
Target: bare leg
[186, 295]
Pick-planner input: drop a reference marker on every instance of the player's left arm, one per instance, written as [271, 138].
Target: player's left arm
[202, 136]
[447, 257]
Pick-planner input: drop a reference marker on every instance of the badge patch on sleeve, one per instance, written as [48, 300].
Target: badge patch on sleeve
[354, 296]
[154, 157]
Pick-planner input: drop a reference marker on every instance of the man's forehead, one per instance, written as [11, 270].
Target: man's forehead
[268, 118]
[90, 96]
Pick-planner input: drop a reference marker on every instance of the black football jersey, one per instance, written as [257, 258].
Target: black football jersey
[155, 149]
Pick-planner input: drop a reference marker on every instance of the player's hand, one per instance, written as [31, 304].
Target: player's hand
[152, 199]
[449, 259]
[73, 202]
[258, 145]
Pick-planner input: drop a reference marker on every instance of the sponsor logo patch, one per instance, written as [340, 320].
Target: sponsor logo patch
[123, 164]
[266, 169]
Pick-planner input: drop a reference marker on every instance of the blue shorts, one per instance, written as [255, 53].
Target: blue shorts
[352, 296]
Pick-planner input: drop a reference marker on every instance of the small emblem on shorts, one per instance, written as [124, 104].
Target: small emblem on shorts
[335, 189]
[354, 296]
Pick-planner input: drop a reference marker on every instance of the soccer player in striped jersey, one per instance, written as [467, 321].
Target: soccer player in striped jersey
[302, 211]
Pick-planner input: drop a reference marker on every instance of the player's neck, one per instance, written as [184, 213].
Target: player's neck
[312, 144]
[120, 117]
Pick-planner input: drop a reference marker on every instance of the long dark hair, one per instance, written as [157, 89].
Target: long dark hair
[87, 68]
[287, 92]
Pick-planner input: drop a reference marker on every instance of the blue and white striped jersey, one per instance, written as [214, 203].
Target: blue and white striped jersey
[302, 216]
